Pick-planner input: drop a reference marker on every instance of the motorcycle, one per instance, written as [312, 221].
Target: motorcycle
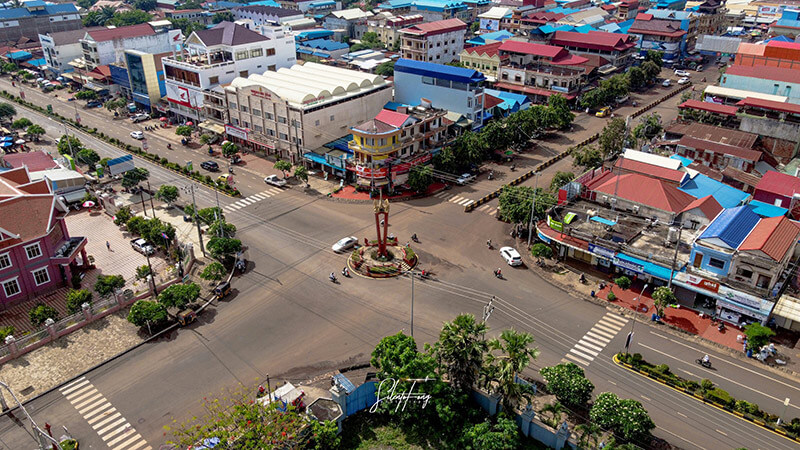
[230, 170]
[333, 279]
[169, 146]
[345, 273]
[583, 279]
[498, 274]
[513, 167]
[414, 238]
[706, 364]
[491, 176]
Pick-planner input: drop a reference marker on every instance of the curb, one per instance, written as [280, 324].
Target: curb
[760, 423]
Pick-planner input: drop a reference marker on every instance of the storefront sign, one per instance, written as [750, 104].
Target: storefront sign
[601, 251]
[544, 238]
[558, 226]
[696, 281]
[405, 167]
[740, 297]
[632, 266]
[335, 161]
[265, 95]
[739, 309]
[236, 132]
[367, 172]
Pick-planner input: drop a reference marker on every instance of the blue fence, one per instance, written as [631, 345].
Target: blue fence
[362, 398]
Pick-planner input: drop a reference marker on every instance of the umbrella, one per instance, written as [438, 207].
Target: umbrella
[190, 123]
[6, 139]
[5, 144]
[163, 119]
[39, 80]
[60, 79]
[88, 204]
[20, 141]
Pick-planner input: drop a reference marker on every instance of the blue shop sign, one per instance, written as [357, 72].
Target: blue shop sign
[601, 251]
[632, 266]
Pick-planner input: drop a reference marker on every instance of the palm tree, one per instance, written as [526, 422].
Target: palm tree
[555, 410]
[107, 12]
[516, 353]
[588, 435]
[460, 350]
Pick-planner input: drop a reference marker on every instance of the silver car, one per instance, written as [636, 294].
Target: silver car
[344, 244]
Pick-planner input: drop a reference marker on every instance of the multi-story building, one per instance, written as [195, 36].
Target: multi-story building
[266, 15]
[787, 25]
[60, 48]
[322, 48]
[483, 58]
[772, 54]
[540, 70]
[386, 148]
[764, 79]
[433, 10]
[296, 110]
[105, 46]
[627, 9]
[146, 78]
[718, 147]
[216, 56]
[37, 17]
[616, 48]
[661, 35]
[438, 42]
[346, 20]
[455, 89]
[200, 16]
[711, 16]
[37, 254]
[495, 19]
[685, 20]
[305, 6]
[387, 27]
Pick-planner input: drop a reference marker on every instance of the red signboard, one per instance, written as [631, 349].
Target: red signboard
[265, 95]
[399, 169]
[702, 283]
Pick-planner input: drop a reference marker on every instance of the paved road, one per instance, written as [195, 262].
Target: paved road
[286, 320]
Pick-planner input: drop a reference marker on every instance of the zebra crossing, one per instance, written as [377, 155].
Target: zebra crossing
[251, 199]
[115, 431]
[596, 339]
[490, 210]
[452, 198]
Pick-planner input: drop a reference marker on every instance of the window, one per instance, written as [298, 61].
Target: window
[243, 108]
[744, 273]
[213, 80]
[235, 121]
[281, 119]
[256, 52]
[316, 122]
[718, 263]
[33, 251]
[5, 261]
[234, 105]
[268, 116]
[270, 132]
[332, 117]
[270, 52]
[272, 67]
[41, 276]
[283, 136]
[428, 80]
[258, 128]
[256, 112]
[295, 123]
[243, 73]
[241, 55]
[11, 287]
[245, 124]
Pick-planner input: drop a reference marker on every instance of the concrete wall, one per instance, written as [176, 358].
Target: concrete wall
[708, 253]
[779, 138]
[409, 88]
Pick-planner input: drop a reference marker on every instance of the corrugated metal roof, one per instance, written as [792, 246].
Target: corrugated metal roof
[773, 236]
[709, 207]
[710, 107]
[442, 71]
[779, 183]
[649, 169]
[701, 186]
[731, 226]
[767, 210]
[646, 191]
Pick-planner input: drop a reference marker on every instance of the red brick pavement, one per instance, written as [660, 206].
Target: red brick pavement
[349, 192]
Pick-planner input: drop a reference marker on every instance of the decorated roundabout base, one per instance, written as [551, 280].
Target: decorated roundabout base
[365, 261]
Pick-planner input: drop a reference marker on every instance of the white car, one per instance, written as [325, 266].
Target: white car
[465, 178]
[682, 73]
[142, 246]
[511, 255]
[684, 80]
[666, 83]
[344, 244]
[274, 180]
[137, 135]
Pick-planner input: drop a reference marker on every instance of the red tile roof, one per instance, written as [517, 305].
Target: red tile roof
[438, 27]
[722, 149]
[629, 165]
[529, 48]
[488, 49]
[707, 205]
[643, 16]
[646, 191]
[779, 183]
[709, 107]
[109, 34]
[393, 118]
[655, 27]
[769, 104]
[490, 101]
[764, 73]
[21, 212]
[774, 236]
[594, 40]
[35, 161]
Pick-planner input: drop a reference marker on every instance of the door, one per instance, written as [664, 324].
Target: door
[698, 259]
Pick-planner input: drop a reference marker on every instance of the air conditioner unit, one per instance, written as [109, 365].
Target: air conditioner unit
[613, 201]
[636, 209]
[605, 198]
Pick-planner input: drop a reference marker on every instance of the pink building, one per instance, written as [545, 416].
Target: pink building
[36, 252]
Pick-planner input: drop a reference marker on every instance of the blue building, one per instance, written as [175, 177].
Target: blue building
[701, 186]
[323, 48]
[37, 17]
[489, 38]
[713, 250]
[455, 89]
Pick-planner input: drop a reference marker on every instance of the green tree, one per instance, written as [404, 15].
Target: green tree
[222, 228]
[460, 350]
[385, 69]
[35, 132]
[116, 105]
[396, 357]
[593, 99]
[8, 67]
[167, 193]
[154, 230]
[133, 17]
[420, 178]
[561, 115]
[495, 136]
[142, 272]
[40, 313]
[663, 297]
[215, 271]
[93, 19]
[555, 411]
[145, 5]
[186, 26]
[623, 282]
[229, 149]
[656, 57]
[183, 130]
[500, 433]
[208, 215]
[224, 16]
[179, 295]
[76, 299]
[7, 111]
[69, 145]
[625, 418]
[107, 284]
[560, 179]
[637, 77]
[145, 312]
[757, 336]
[540, 250]
[136, 225]
[651, 70]
[612, 138]
[190, 4]
[587, 156]
[515, 353]
[122, 216]
[134, 176]
[588, 435]
[301, 173]
[515, 203]
[206, 138]
[568, 383]
[325, 435]
[221, 248]
[88, 156]
[649, 127]
[283, 165]
[22, 122]
[85, 94]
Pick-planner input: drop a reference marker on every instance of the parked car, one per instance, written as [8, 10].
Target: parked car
[639, 57]
[667, 83]
[225, 178]
[699, 68]
[274, 180]
[684, 80]
[511, 256]
[621, 100]
[140, 118]
[465, 178]
[603, 112]
[682, 73]
[211, 166]
[94, 104]
[344, 244]
[137, 135]
[142, 246]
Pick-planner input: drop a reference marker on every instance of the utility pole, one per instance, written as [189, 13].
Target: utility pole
[412, 302]
[141, 196]
[196, 220]
[69, 142]
[533, 209]
[630, 334]
[488, 308]
[152, 275]
[153, 208]
[674, 258]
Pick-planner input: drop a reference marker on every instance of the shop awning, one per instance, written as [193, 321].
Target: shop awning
[74, 196]
[212, 127]
[319, 159]
[648, 267]
[788, 307]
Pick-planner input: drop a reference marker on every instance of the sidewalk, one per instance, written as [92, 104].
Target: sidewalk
[350, 193]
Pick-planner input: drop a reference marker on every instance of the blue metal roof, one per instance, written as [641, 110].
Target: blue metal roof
[648, 267]
[322, 54]
[701, 186]
[767, 210]
[684, 161]
[493, 36]
[266, 3]
[304, 51]
[440, 71]
[49, 10]
[732, 225]
[19, 55]
[313, 34]
[324, 44]
[343, 381]
[37, 62]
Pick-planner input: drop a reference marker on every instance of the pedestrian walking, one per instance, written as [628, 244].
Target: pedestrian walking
[108, 245]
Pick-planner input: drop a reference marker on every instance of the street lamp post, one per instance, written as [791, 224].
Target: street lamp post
[636, 311]
[43, 440]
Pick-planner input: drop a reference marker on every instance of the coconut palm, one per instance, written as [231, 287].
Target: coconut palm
[515, 355]
[588, 435]
[460, 350]
[555, 410]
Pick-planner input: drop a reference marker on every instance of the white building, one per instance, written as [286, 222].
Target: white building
[216, 56]
[438, 42]
[261, 15]
[60, 48]
[105, 46]
[297, 110]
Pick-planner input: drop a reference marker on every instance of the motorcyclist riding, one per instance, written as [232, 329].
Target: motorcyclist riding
[332, 277]
[345, 272]
[706, 360]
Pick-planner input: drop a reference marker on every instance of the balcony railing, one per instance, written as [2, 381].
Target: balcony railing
[199, 62]
[372, 151]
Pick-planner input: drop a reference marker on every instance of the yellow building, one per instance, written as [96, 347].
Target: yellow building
[146, 76]
[483, 58]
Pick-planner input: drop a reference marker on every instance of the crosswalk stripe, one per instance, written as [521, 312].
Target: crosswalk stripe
[128, 442]
[87, 401]
[74, 385]
[274, 191]
[593, 337]
[583, 341]
[576, 359]
[139, 444]
[464, 201]
[114, 416]
[604, 333]
[483, 208]
[258, 197]
[236, 207]
[616, 319]
[455, 199]
[441, 194]
[492, 212]
[607, 328]
[75, 394]
[582, 355]
[128, 432]
[125, 427]
[581, 347]
[469, 203]
[105, 412]
[91, 407]
[111, 425]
